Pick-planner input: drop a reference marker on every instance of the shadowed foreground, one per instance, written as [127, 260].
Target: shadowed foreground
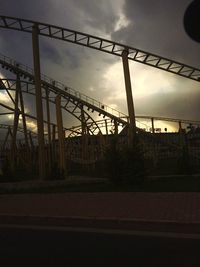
[62, 248]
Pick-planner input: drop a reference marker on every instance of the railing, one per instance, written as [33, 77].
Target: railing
[65, 88]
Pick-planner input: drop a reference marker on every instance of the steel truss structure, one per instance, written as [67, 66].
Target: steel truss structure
[101, 44]
[84, 142]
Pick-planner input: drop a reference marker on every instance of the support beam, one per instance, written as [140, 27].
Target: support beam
[54, 144]
[155, 160]
[180, 126]
[31, 142]
[152, 125]
[106, 125]
[39, 106]
[181, 135]
[116, 127]
[49, 131]
[84, 135]
[9, 132]
[15, 126]
[23, 117]
[130, 104]
[61, 139]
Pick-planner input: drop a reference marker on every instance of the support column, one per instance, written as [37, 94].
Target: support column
[181, 135]
[116, 127]
[39, 106]
[53, 144]
[15, 126]
[32, 150]
[24, 121]
[106, 124]
[180, 126]
[84, 135]
[61, 139]
[154, 143]
[152, 125]
[31, 142]
[49, 132]
[6, 139]
[130, 104]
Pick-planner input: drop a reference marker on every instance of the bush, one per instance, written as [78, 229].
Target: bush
[125, 165]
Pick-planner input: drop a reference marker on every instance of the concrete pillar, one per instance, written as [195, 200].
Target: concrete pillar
[130, 104]
[39, 106]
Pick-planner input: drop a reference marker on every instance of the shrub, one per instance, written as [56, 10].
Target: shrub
[125, 165]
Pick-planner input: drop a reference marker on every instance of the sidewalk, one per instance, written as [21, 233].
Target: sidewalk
[176, 212]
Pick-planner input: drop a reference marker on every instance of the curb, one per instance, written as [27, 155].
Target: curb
[102, 223]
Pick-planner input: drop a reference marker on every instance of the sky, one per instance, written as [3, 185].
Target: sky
[154, 26]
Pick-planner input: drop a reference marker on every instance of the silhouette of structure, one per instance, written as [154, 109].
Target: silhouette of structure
[84, 143]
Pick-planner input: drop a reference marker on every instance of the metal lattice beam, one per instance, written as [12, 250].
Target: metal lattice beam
[103, 45]
[10, 84]
[59, 88]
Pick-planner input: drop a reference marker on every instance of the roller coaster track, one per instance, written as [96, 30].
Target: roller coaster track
[193, 122]
[101, 123]
[20, 129]
[9, 84]
[101, 44]
[28, 87]
[71, 95]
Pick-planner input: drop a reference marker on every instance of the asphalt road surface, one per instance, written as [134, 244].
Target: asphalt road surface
[53, 247]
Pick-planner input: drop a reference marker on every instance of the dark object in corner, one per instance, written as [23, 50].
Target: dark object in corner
[192, 20]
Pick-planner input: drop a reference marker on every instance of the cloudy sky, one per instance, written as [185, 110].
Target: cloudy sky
[155, 26]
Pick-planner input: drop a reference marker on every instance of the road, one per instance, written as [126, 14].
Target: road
[26, 246]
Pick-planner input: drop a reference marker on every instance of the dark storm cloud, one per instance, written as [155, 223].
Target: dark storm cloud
[100, 14]
[25, 8]
[50, 52]
[64, 62]
[177, 105]
[157, 27]
[154, 26]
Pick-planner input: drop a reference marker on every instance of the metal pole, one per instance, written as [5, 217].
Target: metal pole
[116, 127]
[31, 142]
[23, 116]
[61, 139]
[152, 125]
[49, 131]
[54, 144]
[15, 125]
[106, 124]
[39, 106]
[154, 143]
[84, 135]
[181, 134]
[130, 104]
[6, 138]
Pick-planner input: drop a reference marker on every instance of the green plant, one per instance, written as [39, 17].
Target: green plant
[126, 164]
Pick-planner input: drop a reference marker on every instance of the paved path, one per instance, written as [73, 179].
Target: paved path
[181, 208]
